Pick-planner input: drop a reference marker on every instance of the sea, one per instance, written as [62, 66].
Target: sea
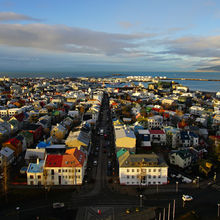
[209, 86]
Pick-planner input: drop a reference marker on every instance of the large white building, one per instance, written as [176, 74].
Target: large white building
[66, 169]
[143, 169]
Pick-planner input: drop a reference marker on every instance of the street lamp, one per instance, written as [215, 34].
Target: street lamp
[177, 186]
[17, 210]
[141, 196]
[197, 181]
[218, 209]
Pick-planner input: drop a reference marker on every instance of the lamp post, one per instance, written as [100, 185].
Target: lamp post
[218, 209]
[197, 181]
[18, 212]
[214, 178]
[141, 196]
[177, 186]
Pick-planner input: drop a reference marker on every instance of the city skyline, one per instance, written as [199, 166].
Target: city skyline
[111, 36]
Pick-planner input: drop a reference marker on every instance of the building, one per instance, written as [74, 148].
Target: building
[125, 138]
[181, 158]
[143, 169]
[158, 137]
[66, 169]
[35, 175]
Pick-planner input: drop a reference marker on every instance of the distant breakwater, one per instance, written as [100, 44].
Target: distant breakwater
[192, 79]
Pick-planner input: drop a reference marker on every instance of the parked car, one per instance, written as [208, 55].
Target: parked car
[187, 198]
[57, 205]
[95, 163]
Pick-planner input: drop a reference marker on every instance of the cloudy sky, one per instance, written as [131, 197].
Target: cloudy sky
[116, 35]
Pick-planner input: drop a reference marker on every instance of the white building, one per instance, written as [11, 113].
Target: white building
[181, 158]
[196, 110]
[158, 137]
[143, 169]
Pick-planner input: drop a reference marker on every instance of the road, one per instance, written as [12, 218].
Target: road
[102, 198]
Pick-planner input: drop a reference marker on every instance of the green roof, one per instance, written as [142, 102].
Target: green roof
[121, 152]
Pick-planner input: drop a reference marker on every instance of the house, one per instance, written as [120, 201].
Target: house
[143, 169]
[181, 158]
[185, 139]
[194, 139]
[79, 139]
[157, 137]
[29, 138]
[6, 155]
[125, 138]
[196, 110]
[122, 155]
[35, 174]
[67, 169]
[33, 154]
[13, 122]
[14, 144]
[14, 111]
[172, 136]
[36, 130]
[143, 137]
[58, 132]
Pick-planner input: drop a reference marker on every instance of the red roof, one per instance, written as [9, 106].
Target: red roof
[13, 141]
[157, 132]
[54, 161]
[19, 117]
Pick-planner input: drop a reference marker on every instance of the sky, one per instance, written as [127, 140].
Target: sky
[116, 35]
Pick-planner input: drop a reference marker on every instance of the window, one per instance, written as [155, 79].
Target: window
[154, 177]
[31, 177]
[39, 177]
[149, 170]
[149, 183]
[154, 182]
[159, 176]
[69, 170]
[137, 170]
[52, 172]
[128, 170]
[59, 170]
[149, 177]
[159, 170]
[127, 177]
[132, 170]
[31, 182]
[155, 170]
[52, 177]
[132, 177]
[79, 170]
[158, 182]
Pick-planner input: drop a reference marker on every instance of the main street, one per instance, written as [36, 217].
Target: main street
[104, 201]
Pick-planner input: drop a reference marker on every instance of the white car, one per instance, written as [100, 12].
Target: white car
[57, 205]
[187, 198]
[95, 163]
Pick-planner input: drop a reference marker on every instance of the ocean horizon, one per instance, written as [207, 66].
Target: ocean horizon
[209, 86]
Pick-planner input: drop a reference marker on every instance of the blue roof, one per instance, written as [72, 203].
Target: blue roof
[43, 144]
[36, 168]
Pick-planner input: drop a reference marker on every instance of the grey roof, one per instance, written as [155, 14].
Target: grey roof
[144, 160]
[124, 133]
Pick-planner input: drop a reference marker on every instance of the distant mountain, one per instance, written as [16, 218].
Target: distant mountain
[209, 69]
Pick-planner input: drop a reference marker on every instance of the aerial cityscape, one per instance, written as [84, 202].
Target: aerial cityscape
[109, 110]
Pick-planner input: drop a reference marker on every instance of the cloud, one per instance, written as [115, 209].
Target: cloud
[127, 24]
[193, 46]
[11, 16]
[63, 38]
